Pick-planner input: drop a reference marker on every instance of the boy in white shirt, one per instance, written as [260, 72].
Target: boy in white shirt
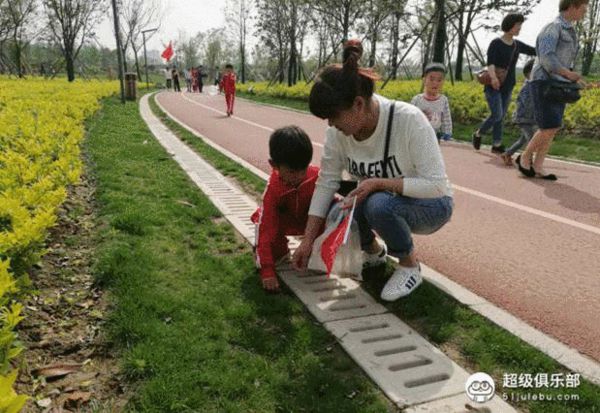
[433, 103]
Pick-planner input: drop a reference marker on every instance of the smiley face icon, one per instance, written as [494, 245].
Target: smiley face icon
[480, 387]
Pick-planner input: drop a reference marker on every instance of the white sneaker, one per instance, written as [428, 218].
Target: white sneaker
[374, 260]
[403, 282]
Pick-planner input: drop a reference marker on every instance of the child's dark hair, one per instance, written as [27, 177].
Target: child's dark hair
[510, 20]
[337, 85]
[434, 67]
[228, 66]
[528, 67]
[290, 146]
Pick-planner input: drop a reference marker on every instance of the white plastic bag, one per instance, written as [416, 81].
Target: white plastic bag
[348, 259]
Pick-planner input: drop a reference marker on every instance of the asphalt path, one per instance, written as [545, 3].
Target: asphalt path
[529, 246]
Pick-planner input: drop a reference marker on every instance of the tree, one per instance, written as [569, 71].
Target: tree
[590, 32]
[342, 13]
[439, 44]
[137, 15]
[375, 14]
[238, 14]
[468, 16]
[273, 32]
[20, 16]
[72, 23]
[187, 49]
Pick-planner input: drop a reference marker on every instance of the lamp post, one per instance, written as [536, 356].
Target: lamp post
[145, 58]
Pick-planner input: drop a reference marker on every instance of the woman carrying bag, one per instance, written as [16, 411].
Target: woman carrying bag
[554, 84]
[502, 56]
[403, 187]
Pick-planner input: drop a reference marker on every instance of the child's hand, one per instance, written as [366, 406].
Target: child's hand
[271, 284]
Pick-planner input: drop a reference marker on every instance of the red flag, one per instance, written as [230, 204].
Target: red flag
[337, 237]
[168, 52]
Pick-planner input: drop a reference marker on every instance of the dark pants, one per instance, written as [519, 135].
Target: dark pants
[498, 103]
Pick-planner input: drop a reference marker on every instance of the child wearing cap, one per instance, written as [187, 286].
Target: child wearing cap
[433, 103]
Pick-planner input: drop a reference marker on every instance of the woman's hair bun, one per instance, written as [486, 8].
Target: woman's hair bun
[352, 48]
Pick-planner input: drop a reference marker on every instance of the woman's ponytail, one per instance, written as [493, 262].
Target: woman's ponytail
[338, 85]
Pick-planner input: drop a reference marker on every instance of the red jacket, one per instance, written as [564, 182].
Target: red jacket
[228, 83]
[284, 211]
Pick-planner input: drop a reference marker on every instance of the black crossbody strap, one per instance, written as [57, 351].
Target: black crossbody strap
[388, 133]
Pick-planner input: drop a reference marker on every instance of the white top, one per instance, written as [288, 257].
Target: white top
[168, 74]
[437, 111]
[414, 154]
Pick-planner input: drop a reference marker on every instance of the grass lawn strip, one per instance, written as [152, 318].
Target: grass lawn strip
[468, 338]
[195, 329]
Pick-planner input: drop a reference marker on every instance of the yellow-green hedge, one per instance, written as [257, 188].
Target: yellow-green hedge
[467, 101]
[41, 128]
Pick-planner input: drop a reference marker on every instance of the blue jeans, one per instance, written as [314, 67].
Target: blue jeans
[396, 217]
[527, 131]
[498, 103]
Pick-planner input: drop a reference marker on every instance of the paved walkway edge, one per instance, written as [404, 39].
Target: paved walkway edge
[563, 354]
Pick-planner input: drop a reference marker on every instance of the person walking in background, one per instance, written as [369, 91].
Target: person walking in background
[218, 78]
[522, 116]
[433, 103]
[194, 74]
[502, 54]
[200, 75]
[168, 77]
[187, 73]
[175, 75]
[228, 86]
[557, 46]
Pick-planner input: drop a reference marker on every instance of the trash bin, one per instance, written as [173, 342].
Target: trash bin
[130, 86]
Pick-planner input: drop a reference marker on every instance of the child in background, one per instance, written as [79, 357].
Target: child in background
[228, 86]
[523, 116]
[433, 104]
[284, 209]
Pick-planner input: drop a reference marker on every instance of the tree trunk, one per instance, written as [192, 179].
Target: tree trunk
[346, 23]
[373, 49]
[137, 64]
[590, 47]
[460, 49]
[439, 47]
[395, 40]
[70, 66]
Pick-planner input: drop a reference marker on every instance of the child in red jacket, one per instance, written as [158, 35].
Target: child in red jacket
[228, 86]
[286, 200]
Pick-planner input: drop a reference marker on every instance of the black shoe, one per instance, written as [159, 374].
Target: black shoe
[498, 149]
[476, 140]
[529, 173]
[549, 177]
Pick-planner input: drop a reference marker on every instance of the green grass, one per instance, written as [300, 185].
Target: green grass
[482, 345]
[565, 145]
[195, 330]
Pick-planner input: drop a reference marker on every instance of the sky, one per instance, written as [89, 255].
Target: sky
[192, 16]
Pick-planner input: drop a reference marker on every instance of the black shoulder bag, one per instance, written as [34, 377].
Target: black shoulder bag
[561, 91]
[347, 186]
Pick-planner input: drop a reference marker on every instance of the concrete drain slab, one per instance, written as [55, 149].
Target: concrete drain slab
[406, 367]
[333, 298]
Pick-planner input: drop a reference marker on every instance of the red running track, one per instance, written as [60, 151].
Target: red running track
[530, 247]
